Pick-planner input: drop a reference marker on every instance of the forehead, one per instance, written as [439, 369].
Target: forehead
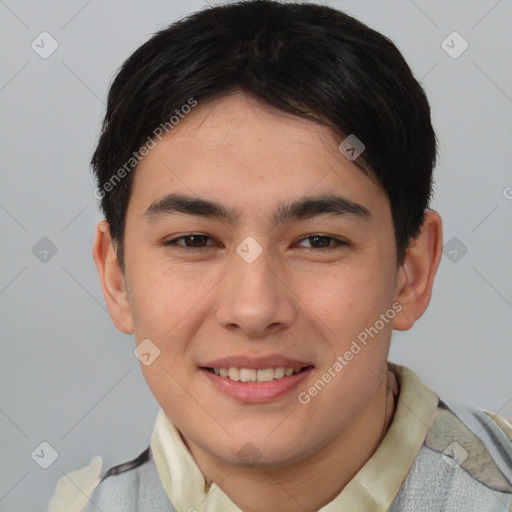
[241, 151]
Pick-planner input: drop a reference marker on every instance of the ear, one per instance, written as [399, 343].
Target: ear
[416, 275]
[112, 279]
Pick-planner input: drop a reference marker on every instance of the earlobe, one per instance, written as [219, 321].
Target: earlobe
[112, 279]
[416, 276]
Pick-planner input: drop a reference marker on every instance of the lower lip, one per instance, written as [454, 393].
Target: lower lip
[257, 392]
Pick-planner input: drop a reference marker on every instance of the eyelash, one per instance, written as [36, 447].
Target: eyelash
[180, 247]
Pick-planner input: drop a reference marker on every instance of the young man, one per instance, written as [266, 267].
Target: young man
[265, 173]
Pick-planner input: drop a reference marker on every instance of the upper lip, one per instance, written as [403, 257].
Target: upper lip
[256, 362]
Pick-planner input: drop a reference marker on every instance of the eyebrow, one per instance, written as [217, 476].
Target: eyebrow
[303, 208]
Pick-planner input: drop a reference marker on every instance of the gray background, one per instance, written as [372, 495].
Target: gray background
[68, 377]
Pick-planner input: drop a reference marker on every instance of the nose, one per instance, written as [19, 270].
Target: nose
[254, 297]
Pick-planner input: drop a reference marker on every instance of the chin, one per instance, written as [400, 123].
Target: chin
[260, 452]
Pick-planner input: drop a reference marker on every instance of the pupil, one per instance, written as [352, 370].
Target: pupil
[324, 238]
[196, 238]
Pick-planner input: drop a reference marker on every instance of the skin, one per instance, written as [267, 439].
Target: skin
[296, 299]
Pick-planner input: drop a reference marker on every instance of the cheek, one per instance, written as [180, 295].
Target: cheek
[350, 304]
[167, 382]
[159, 299]
[168, 307]
[350, 298]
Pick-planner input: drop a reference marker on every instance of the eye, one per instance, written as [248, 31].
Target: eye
[323, 241]
[197, 241]
[192, 241]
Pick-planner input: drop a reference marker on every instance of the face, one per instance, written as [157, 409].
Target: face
[265, 287]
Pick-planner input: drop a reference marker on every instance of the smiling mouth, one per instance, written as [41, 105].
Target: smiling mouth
[256, 375]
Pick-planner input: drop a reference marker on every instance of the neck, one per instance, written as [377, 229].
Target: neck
[288, 489]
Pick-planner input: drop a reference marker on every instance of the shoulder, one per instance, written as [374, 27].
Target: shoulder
[127, 466]
[130, 487]
[475, 441]
[503, 423]
[465, 462]
[75, 489]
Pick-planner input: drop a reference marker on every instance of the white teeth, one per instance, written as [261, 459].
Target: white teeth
[279, 372]
[265, 375]
[234, 373]
[247, 375]
[252, 375]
